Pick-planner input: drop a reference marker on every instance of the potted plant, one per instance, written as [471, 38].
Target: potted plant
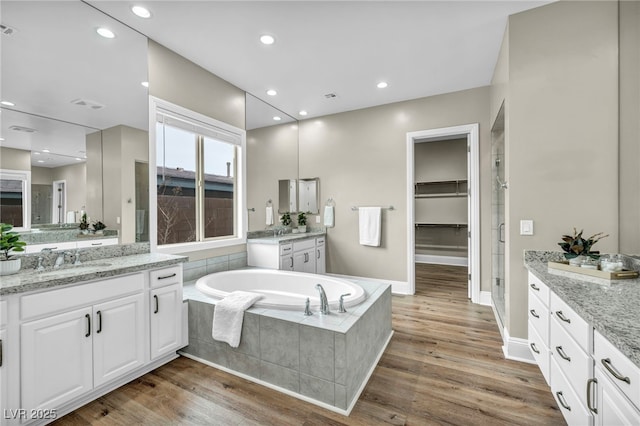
[577, 248]
[9, 243]
[302, 222]
[99, 227]
[84, 225]
[285, 219]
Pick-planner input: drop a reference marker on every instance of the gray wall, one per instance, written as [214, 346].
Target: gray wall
[360, 158]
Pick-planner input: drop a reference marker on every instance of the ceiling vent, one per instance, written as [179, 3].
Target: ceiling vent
[87, 103]
[22, 129]
[7, 30]
[330, 95]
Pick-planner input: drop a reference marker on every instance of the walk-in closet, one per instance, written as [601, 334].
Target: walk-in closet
[441, 201]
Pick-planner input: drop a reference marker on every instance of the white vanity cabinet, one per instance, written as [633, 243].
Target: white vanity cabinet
[538, 324]
[72, 245]
[617, 385]
[84, 337]
[3, 359]
[306, 254]
[165, 310]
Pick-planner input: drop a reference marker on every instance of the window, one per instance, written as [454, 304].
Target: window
[199, 196]
[14, 198]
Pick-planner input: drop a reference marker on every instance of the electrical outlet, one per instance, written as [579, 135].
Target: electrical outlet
[526, 227]
[317, 219]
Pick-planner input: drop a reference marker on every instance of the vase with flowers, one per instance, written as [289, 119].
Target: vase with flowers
[577, 248]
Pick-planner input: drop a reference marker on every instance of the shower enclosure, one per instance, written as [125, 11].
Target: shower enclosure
[498, 216]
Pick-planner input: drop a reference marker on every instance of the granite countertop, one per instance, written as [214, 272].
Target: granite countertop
[611, 308]
[52, 236]
[284, 238]
[29, 280]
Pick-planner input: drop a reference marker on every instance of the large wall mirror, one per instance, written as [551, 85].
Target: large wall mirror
[272, 156]
[75, 116]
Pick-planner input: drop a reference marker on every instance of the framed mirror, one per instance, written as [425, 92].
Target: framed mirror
[73, 105]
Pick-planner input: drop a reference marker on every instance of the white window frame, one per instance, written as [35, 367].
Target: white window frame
[239, 237]
[25, 177]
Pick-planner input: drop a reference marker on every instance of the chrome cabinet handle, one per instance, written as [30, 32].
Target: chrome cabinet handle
[534, 313]
[500, 231]
[167, 276]
[589, 395]
[562, 354]
[562, 401]
[534, 348]
[318, 254]
[611, 369]
[88, 317]
[99, 314]
[291, 258]
[0, 352]
[96, 244]
[157, 309]
[306, 257]
[562, 317]
[533, 286]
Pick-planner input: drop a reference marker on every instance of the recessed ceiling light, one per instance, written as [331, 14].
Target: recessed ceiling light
[382, 85]
[40, 161]
[1, 139]
[105, 32]
[140, 11]
[276, 118]
[78, 159]
[36, 153]
[7, 103]
[303, 112]
[145, 83]
[271, 92]
[45, 150]
[267, 39]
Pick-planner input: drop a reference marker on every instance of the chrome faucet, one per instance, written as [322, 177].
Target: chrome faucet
[40, 267]
[60, 259]
[324, 303]
[341, 308]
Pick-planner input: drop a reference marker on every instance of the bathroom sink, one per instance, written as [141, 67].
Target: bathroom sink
[70, 269]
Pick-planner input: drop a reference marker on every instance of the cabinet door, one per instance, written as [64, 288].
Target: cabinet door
[3, 376]
[320, 260]
[304, 261]
[166, 319]
[613, 407]
[56, 360]
[119, 340]
[286, 263]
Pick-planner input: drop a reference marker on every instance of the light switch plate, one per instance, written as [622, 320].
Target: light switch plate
[526, 227]
[317, 219]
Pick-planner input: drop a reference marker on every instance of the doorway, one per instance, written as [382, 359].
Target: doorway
[59, 204]
[457, 189]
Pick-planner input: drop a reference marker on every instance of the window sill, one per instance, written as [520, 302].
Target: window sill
[183, 248]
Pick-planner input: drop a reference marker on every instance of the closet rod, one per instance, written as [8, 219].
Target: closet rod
[356, 208]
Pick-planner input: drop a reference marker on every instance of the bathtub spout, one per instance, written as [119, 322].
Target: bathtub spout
[324, 303]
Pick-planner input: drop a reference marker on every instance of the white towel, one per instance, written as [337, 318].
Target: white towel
[269, 214]
[370, 226]
[229, 314]
[329, 217]
[71, 217]
[140, 221]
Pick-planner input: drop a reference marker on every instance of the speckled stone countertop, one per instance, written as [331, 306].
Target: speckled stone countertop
[270, 239]
[30, 279]
[49, 236]
[611, 308]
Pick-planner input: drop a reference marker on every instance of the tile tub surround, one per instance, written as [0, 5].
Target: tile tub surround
[267, 237]
[97, 263]
[228, 262]
[610, 308]
[322, 359]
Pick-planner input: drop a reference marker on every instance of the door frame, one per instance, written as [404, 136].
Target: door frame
[471, 132]
[55, 212]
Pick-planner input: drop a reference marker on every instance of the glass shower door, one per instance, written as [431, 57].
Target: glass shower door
[498, 217]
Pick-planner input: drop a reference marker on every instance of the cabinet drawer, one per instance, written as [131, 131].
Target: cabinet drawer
[539, 289]
[3, 313]
[539, 318]
[286, 249]
[540, 351]
[304, 244]
[48, 302]
[570, 357]
[570, 404]
[319, 241]
[165, 276]
[572, 323]
[98, 243]
[624, 373]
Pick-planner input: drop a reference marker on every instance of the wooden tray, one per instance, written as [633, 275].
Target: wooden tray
[607, 275]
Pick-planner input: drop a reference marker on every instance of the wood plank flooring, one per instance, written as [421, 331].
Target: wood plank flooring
[444, 366]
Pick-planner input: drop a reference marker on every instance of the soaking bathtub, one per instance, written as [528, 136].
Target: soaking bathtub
[284, 290]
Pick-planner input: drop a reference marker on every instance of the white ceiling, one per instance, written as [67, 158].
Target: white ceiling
[420, 48]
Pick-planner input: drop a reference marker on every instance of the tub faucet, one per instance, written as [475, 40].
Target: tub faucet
[324, 303]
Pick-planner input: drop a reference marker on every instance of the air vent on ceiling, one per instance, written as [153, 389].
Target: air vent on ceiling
[22, 129]
[7, 30]
[87, 103]
[330, 95]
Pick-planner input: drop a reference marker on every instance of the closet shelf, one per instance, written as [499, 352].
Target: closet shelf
[442, 195]
[441, 247]
[441, 225]
[443, 188]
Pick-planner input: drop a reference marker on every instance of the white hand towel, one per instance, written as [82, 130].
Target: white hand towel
[269, 214]
[370, 224]
[329, 219]
[71, 217]
[229, 314]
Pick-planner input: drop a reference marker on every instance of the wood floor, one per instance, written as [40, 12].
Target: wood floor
[444, 366]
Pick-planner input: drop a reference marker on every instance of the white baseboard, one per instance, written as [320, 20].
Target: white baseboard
[397, 287]
[516, 349]
[485, 298]
[441, 260]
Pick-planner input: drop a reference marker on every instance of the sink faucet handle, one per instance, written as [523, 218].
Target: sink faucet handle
[307, 308]
[341, 308]
[40, 267]
[76, 258]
